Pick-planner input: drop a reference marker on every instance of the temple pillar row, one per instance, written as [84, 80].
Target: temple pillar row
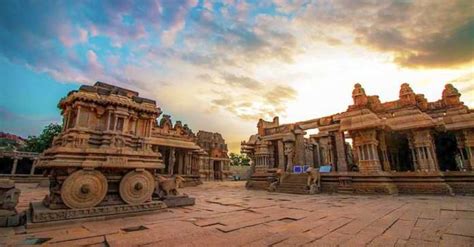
[423, 150]
[465, 141]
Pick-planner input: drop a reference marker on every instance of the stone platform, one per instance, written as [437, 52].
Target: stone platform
[227, 214]
[39, 215]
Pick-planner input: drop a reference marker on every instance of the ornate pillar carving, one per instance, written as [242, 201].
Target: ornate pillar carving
[171, 161]
[299, 148]
[180, 162]
[465, 140]
[289, 153]
[366, 141]
[424, 149]
[281, 155]
[340, 144]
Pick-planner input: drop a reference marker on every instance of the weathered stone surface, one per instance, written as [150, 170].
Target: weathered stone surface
[40, 213]
[226, 214]
[179, 201]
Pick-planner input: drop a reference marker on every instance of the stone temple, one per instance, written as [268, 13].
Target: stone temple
[405, 146]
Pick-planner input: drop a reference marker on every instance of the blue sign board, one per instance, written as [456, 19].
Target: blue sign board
[297, 169]
[325, 169]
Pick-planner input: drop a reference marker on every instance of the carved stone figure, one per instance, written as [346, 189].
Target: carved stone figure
[314, 180]
[359, 96]
[407, 96]
[279, 174]
[169, 186]
[451, 96]
[9, 195]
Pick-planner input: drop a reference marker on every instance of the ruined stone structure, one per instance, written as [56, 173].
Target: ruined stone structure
[21, 167]
[16, 163]
[407, 145]
[181, 155]
[216, 161]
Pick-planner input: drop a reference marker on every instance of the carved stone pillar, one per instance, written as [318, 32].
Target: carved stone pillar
[15, 164]
[299, 148]
[367, 143]
[33, 167]
[202, 168]
[78, 116]
[424, 149]
[289, 153]
[180, 162]
[171, 161]
[383, 147]
[340, 144]
[281, 155]
[467, 142]
[186, 163]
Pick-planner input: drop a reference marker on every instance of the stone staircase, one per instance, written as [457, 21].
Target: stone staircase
[345, 186]
[294, 184]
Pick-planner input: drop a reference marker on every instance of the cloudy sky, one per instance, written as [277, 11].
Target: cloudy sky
[222, 65]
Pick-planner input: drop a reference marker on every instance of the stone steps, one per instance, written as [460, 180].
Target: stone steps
[294, 184]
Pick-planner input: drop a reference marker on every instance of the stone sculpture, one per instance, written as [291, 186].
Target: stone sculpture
[169, 186]
[314, 180]
[103, 162]
[9, 196]
[279, 174]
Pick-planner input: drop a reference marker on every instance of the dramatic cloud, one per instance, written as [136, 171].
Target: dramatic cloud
[425, 34]
[243, 59]
[250, 99]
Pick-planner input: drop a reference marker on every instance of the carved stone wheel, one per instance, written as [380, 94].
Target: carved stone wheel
[137, 187]
[84, 189]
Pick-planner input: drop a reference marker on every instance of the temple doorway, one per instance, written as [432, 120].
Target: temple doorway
[6, 165]
[276, 156]
[165, 154]
[446, 151]
[24, 166]
[217, 170]
[400, 155]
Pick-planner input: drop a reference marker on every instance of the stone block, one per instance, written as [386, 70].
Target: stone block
[179, 201]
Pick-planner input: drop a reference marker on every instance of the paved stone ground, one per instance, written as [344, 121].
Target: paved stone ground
[226, 214]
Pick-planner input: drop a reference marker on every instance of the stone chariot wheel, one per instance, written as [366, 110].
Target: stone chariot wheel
[137, 187]
[84, 189]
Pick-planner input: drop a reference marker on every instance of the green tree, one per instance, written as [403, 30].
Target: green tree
[245, 161]
[234, 159]
[239, 160]
[44, 140]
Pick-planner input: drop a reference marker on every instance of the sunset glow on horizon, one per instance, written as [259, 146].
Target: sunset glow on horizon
[221, 65]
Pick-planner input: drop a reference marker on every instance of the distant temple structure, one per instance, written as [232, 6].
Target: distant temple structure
[380, 141]
[216, 160]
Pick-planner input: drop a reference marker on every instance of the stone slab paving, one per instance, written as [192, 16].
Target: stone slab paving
[226, 214]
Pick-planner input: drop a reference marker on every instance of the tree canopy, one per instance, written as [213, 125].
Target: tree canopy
[239, 160]
[44, 140]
